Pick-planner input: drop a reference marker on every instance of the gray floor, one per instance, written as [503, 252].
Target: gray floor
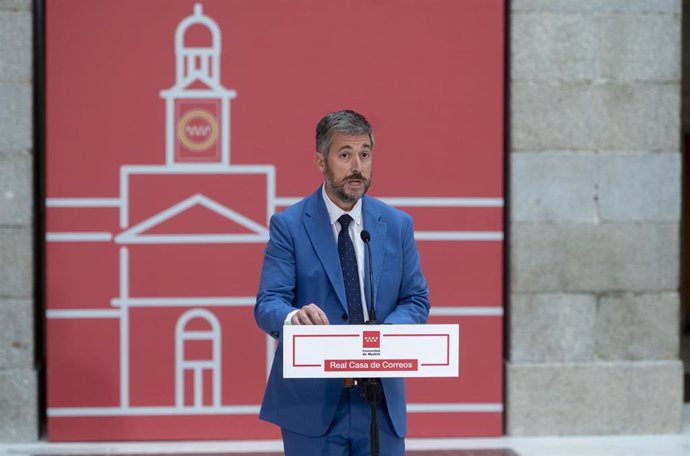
[655, 445]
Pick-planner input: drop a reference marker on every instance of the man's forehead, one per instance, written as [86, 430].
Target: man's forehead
[343, 140]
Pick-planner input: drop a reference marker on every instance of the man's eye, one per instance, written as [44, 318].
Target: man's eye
[343, 155]
[365, 154]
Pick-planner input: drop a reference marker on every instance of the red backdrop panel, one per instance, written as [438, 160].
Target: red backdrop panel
[164, 165]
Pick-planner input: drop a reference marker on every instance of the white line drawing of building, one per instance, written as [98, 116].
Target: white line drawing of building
[198, 144]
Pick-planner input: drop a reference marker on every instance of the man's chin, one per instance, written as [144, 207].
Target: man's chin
[349, 198]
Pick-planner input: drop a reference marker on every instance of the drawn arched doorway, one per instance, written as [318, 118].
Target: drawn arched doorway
[197, 360]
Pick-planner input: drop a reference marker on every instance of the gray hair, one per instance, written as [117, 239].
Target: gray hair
[345, 122]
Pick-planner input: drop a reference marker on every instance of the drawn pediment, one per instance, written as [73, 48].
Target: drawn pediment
[195, 220]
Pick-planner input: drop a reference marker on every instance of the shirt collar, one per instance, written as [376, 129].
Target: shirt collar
[334, 212]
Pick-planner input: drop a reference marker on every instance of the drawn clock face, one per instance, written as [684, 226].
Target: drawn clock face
[197, 129]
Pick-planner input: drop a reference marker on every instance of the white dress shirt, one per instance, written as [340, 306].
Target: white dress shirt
[355, 231]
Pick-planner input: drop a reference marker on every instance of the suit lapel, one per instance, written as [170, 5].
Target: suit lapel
[318, 227]
[377, 229]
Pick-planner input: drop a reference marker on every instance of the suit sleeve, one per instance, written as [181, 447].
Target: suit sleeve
[277, 286]
[413, 297]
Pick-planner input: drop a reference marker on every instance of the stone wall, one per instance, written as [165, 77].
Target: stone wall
[685, 233]
[686, 66]
[594, 217]
[18, 375]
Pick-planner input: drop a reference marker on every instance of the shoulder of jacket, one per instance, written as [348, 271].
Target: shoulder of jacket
[386, 210]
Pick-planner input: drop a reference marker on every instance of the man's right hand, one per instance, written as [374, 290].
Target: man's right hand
[310, 314]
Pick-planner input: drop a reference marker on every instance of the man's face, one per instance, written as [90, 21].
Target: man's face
[347, 169]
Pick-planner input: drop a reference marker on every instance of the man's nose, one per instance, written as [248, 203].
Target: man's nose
[356, 164]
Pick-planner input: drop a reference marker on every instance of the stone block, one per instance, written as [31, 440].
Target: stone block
[16, 262]
[16, 51]
[594, 398]
[553, 46]
[598, 6]
[553, 187]
[589, 187]
[16, 334]
[594, 258]
[638, 326]
[601, 116]
[18, 405]
[15, 5]
[16, 124]
[552, 327]
[16, 184]
[640, 187]
[640, 47]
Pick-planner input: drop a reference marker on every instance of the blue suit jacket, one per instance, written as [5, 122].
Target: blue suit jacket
[301, 266]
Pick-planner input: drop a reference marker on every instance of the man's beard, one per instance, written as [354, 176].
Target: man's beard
[338, 188]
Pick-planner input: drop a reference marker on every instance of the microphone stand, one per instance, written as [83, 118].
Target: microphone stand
[373, 392]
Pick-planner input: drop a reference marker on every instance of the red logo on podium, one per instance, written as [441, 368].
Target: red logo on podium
[371, 339]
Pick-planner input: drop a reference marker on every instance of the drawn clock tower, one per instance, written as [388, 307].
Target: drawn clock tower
[197, 106]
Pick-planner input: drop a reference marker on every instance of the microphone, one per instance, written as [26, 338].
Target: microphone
[366, 237]
[372, 386]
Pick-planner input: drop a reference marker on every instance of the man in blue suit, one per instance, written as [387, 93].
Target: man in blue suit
[314, 273]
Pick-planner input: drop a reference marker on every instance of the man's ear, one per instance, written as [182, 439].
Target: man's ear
[320, 161]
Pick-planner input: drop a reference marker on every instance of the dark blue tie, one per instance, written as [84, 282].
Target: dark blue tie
[348, 262]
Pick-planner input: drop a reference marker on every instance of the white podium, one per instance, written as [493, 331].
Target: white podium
[371, 351]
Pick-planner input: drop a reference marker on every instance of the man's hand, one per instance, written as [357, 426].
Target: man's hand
[310, 314]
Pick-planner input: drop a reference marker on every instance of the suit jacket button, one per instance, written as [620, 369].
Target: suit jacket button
[275, 334]
[344, 316]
